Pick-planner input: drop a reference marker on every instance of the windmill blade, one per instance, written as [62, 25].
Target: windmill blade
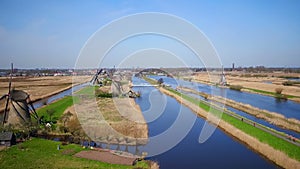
[11, 72]
[2, 97]
[98, 72]
[92, 80]
[6, 110]
[34, 113]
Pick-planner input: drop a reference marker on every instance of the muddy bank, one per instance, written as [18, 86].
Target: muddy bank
[274, 155]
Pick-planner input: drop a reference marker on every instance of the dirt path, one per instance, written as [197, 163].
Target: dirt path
[105, 156]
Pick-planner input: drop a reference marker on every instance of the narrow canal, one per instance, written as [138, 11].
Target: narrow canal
[57, 96]
[219, 151]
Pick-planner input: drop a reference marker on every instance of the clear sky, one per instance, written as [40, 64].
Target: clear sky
[40, 33]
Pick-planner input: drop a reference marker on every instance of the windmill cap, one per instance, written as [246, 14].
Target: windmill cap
[18, 95]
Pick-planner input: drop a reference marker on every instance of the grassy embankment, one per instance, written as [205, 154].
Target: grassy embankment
[58, 107]
[291, 150]
[40, 153]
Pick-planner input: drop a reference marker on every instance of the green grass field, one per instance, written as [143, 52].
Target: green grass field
[89, 90]
[58, 107]
[40, 153]
[62, 104]
[291, 150]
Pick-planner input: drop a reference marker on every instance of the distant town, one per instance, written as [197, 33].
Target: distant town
[71, 72]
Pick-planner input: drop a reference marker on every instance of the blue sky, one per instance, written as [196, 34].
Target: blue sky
[40, 33]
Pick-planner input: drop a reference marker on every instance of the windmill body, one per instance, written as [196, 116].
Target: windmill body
[18, 108]
[19, 112]
[223, 79]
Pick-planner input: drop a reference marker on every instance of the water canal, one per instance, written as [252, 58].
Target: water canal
[289, 109]
[219, 151]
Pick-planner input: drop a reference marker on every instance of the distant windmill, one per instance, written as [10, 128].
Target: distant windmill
[20, 105]
[223, 79]
[95, 79]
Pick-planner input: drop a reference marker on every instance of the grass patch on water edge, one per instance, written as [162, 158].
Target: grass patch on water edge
[279, 96]
[40, 153]
[58, 107]
[291, 150]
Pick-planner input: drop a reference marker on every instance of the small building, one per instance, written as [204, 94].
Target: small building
[7, 139]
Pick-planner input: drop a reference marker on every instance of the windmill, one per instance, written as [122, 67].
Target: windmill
[95, 80]
[117, 88]
[223, 79]
[19, 104]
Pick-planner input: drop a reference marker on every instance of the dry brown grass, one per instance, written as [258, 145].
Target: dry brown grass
[112, 120]
[123, 122]
[153, 165]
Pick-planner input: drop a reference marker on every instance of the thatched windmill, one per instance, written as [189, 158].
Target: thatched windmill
[19, 104]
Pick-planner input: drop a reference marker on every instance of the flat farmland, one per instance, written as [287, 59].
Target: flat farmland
[39, 87]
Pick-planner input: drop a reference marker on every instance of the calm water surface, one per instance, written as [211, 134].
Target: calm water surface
[219, 151]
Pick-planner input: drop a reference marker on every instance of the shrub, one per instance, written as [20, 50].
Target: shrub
[278, 90]
[160, 81]
[288, 83]
[105, 95]
[281, 97]
[236, 87]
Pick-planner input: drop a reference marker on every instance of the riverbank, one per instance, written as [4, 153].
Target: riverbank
[276, 149]
[271, 117]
